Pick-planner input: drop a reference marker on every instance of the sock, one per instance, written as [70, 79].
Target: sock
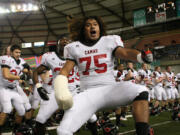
[93, 128]
[142, 128]
[40, 129]
[118, 119]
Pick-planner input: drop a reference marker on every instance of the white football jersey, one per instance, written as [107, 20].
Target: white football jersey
[169, 80]
[178, 77]
[135, 75]
[55, 63]
[95, 63]
[158, 75]
[14, 68]
[145, 75]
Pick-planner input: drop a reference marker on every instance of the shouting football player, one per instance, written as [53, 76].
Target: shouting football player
[93, 52]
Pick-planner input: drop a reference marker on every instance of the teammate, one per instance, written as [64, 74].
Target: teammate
[131, 74]
[170, 88]
[10, 75]
[178, 81]
[159, 91]
[93, 53]
[146, 79]
[120, 75]
[120, 111]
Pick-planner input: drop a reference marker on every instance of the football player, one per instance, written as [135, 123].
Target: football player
[159, 91]
[131, 74]
[170, 88]
[93, 52]
[146, 80]
[53, 60]
[10, 78]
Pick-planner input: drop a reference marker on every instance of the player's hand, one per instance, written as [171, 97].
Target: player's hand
[62, 93]
[147, 56]
[42, 92]
[24, 77]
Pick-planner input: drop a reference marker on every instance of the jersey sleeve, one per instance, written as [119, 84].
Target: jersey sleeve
[115, 42]
[5, 61]
[44, 60]
[118, 41]
[68, 53]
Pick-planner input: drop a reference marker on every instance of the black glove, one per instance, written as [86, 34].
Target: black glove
[24, 77]
[147, 56]
[43, 93]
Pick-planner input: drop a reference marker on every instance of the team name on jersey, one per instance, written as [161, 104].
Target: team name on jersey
[91, 51]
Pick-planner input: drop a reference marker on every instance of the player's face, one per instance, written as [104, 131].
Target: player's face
[16, 54]
[169, 69]
[121, 67]
[159, 69]
[130, 65]
[63, 42]
[145, 66]
[91, 30]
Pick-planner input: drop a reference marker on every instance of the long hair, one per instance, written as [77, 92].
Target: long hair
[4, 52]
[76, 27]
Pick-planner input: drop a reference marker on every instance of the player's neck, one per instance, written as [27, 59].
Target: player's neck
[90, 42]
[17, 60]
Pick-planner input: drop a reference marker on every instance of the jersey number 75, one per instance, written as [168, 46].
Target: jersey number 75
[96, 58]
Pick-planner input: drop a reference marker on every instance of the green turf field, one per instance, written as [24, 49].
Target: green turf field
[162, 125]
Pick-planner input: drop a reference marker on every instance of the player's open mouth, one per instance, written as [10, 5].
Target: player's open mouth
[93, 33]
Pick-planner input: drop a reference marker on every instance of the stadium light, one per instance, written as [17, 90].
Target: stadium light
[18, 7]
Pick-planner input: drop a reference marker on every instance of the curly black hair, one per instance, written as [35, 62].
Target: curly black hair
[76, 27]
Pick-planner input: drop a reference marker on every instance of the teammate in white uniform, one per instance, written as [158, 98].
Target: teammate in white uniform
[93, 53]
[120, 111]
[9, 76]
[51, 60]
[131, 74]
[159, 91]
[120, 75]
[170, 87]
[146, 79]
[178, 81]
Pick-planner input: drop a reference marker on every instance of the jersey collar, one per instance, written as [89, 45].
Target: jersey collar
[17, 61]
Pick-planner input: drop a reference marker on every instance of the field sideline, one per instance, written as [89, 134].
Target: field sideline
[162, 125]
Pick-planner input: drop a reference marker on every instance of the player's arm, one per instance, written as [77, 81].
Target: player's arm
[62, 93]
[8, 75]
[42, 92]
[133, 55]
[129, 76]
[39, 70]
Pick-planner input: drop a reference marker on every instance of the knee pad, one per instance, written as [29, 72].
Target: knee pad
[142, 96]
[63, 132]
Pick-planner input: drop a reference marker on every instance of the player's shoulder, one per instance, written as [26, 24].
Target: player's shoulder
[5, 57]
[48, 54]
[73, 44]
[22, 60]
[111, 37]
[140, 70]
